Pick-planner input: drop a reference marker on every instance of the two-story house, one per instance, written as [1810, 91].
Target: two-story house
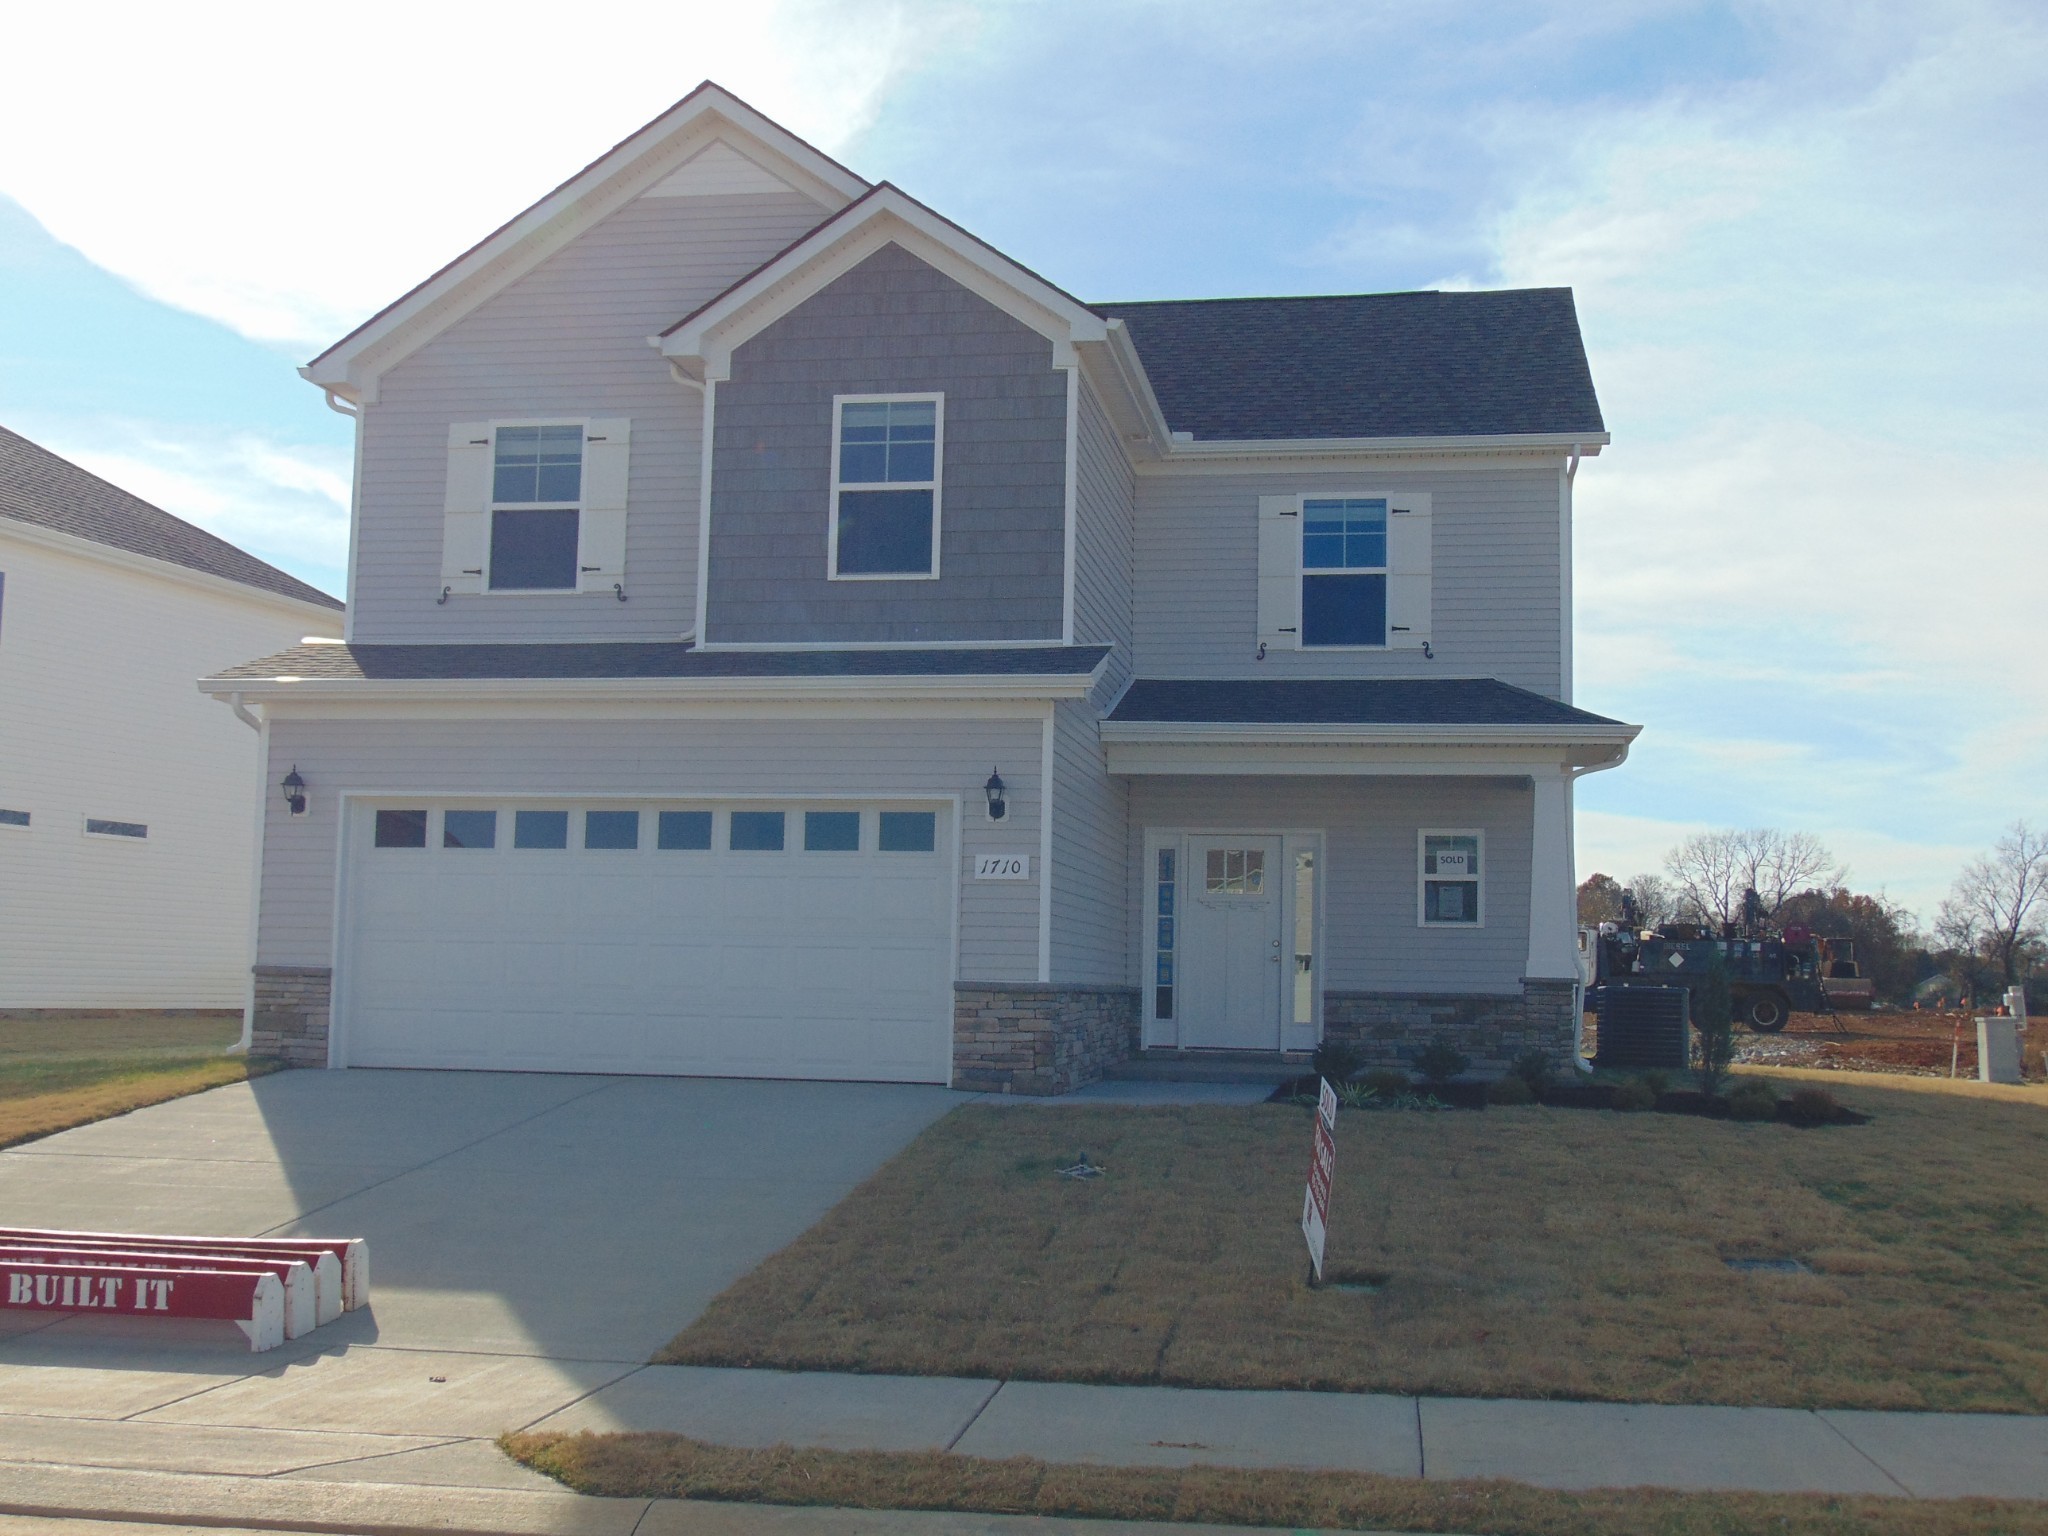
[788, 638]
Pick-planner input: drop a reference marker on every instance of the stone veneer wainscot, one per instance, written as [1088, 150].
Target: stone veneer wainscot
[292, 1009]
[1040, 1039]
[1391, 1028]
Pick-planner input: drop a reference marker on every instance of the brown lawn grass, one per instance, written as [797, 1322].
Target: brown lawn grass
[1527, 1253]
[669, 1466]
[64, 1071]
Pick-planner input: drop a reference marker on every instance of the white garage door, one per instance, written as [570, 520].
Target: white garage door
[753, 940]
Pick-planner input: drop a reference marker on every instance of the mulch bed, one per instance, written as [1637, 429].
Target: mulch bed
[1568, 1095]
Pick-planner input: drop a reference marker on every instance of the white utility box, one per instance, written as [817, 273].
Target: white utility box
[1998, 1050]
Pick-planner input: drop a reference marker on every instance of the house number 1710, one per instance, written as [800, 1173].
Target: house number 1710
[1002, 866]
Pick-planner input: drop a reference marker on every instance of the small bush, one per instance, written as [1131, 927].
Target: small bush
[1753, 1099]
[1635, 1094]
[1440, 1061]
[1535, 1068]
[1337, 1062]
[1812, 1105]
[1659, 1083]
[1510, 1090]
[1388, 1082]
[1356, 1095]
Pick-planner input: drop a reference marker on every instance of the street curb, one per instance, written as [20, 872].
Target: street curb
[275, 1504]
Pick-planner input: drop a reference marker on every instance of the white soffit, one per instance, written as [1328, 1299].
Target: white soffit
[719, 170]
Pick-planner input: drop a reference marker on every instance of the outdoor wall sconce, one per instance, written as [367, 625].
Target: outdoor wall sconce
[998, 808]
[294, 789]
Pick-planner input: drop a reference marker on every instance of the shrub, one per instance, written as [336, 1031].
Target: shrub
[1812, 1105]
[1388, 1082]
[1635, 1094]
[1753, 1099]
[1440, 1061]
[1356, 1095]
[1510, 1090]
[1659, 1083]
[1535, 1068]
[1337, 1061]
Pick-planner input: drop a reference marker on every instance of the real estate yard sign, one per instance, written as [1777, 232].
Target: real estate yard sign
[1322, 1167]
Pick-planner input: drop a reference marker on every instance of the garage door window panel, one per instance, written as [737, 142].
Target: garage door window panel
[683, 831]
[832, 831]
[908, 831]
[401, 829]
[755, 832]
[540, 829]
[469, 829]
[611, 830]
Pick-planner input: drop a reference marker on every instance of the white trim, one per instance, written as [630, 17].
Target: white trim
[1183, 453]
[254, 943]
[1565, 476]
[1315, 733]
[1071, 505]
[709, 388]
[1422, 919]
[1037, 686]
[1047, 644]
[355, 551]
[935, 485]
[149, 565]
[352, 366]
[884, 216]
[1255, 759]
[1046, 768]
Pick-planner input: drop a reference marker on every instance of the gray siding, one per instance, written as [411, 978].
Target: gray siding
[569, 339]
[1495, 602]
[1371, 940]
[1104, 509]
[1090, 849]
[732, 759]
[891, 325]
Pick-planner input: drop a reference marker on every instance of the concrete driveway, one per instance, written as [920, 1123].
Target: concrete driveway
[532, 1239]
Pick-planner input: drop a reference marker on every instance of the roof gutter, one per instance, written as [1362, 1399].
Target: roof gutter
[869, 686]
[1573, 444]
[1222, 733]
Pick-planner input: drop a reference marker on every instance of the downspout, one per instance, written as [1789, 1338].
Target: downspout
[341, 408]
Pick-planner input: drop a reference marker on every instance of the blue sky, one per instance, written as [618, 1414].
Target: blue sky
[1806, 241]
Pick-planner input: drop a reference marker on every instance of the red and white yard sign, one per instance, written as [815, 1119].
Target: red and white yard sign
[1322, 1168]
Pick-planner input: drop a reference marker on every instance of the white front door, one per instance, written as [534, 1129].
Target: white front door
[1230, 960]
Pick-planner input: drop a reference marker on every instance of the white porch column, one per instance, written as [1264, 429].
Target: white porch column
[1553, 916]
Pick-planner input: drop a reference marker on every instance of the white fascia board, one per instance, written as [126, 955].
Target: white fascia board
[1232, 456]
[1321, 733]
[148, 565]
[1125, 390]
[1254, 759]
[845, 689]
[885, 216]
[331, 707]
[350, 367]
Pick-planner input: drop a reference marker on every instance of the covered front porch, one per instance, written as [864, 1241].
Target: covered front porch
[1300, 876]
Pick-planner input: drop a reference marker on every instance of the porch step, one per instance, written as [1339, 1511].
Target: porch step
[1166, 1066]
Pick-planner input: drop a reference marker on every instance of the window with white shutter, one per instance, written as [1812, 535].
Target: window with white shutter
[536, 507]
[1344, 571]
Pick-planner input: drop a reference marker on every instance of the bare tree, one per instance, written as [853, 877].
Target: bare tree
[1996, 907]
[1712, 870]
[1656, 902]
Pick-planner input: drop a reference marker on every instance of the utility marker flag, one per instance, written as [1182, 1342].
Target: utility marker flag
[1322, 1168]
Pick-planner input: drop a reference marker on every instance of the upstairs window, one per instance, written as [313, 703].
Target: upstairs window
[1344, 572]
[886, 455]
[536, 497]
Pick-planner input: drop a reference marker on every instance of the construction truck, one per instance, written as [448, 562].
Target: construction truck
[1770, 975]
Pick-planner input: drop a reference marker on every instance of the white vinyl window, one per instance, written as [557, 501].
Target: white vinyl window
[1345, 572]
[1450, 882]
[887, 465]
[536, 506]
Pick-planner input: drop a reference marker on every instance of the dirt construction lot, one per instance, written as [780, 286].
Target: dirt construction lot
[1917, 1044]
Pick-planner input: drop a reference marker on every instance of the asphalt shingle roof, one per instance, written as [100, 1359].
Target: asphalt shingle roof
[651, 659]
[39, 488]
[1343, 701]
[1367, 365]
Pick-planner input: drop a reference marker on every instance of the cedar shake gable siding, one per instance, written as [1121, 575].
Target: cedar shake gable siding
[891, 325]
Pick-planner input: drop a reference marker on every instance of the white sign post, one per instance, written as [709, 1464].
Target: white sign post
[1322, 1168]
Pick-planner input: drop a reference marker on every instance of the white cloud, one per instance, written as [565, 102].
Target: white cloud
[288, 169]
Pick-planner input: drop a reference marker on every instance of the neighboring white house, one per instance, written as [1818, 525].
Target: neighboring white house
[126, 830]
